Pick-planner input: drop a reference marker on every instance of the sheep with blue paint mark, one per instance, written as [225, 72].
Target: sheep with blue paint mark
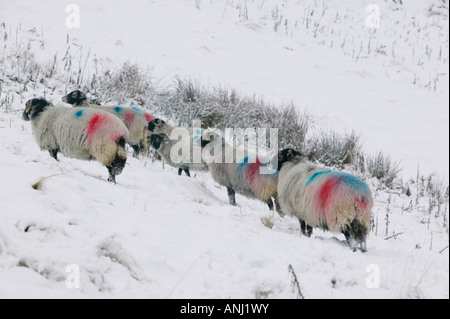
[134, 119]
[240, 173]
[84, 134]
[327, 199]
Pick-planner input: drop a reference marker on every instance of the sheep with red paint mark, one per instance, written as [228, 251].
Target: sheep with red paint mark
[83, 133]
[136, 120]
[240, 172]
[327, 199]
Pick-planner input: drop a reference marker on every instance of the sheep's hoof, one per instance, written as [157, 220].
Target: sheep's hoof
[112, 179]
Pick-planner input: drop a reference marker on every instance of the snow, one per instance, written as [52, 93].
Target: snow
[158, 235]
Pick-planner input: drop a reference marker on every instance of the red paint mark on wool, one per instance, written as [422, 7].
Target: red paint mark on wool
[95, 122]
[129, 116]
[253, 171]
[149, 117]
[361, 204]
[325, 193]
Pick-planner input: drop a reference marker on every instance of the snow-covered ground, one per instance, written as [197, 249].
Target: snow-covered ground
[157, 235]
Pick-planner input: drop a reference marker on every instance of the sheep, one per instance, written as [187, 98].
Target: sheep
[245, 175]
[191, 137]
[331, 200]
[84, 134]
[135, 119]
[184, 161]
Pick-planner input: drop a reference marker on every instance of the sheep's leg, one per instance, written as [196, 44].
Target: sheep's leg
[112, 176]
[116, 168]
[184, 168]
[54, 153]
[350, 239]
[363, 246]
[305, 228]
[271, 204]
[231, 196]
[136, 150]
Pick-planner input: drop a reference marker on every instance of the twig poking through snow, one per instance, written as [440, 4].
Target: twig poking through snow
[295, 283]
[395, 235]
[443, 250]
[39, 183]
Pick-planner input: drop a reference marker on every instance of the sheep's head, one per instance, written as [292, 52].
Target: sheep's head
[33, 108]
[155, 123]
[287, 155]
[75, 98]
[208, 138]
[156, 140]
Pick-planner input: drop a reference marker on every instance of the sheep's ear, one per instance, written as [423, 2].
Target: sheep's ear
[290, 154]
[165, 138]
[26, 113]
[205, 141]
[28, 105]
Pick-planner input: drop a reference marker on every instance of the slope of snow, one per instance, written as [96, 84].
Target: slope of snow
[157, 235]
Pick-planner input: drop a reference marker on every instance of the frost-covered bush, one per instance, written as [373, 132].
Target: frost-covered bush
[381, 167]
[128, 83]
[222, 107]
[333, 149]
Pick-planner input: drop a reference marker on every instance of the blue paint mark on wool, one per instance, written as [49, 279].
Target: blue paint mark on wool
[315, 175]
[79, 114]
[197, 134]
[136, 109]
[117, 109]
[241, 167]
[354, 182]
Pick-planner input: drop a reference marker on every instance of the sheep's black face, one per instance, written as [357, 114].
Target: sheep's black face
[76, 98]
[287, 155]
[33, 108]
[207, 139]
[156, 141]
[155, 123]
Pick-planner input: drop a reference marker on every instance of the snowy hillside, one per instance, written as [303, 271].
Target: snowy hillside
[158, 235]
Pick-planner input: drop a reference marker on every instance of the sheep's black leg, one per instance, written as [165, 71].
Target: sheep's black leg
[184, 168]
[305, 228]
[116, 168]
[112, 176]
[231, 196]
[54, 153]
[136, 150]
[350, 239]
[363, 246]
[270, 204]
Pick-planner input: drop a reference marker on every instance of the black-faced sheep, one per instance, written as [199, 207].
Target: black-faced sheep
[84, 134]
[135, 119]
[165, 140]
[240, 173]
[331, 200]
